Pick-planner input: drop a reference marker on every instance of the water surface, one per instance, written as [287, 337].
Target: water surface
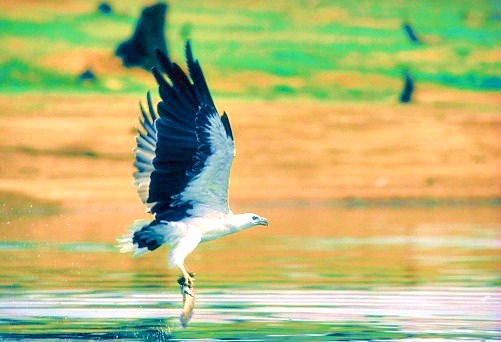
[320, 272]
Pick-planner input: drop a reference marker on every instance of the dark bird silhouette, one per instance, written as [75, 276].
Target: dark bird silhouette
[406, 95]
[410, 33]
[104, 8]
[148, 36]
[87, 76]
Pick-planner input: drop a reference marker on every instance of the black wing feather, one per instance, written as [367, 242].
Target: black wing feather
[200, 85]
[182, 143]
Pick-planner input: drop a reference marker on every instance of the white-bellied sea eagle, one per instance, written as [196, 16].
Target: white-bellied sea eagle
[183, 158]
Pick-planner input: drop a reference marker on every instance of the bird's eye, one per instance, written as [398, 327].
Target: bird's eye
[255, 218]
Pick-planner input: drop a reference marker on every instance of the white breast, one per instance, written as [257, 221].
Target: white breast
[211, 226]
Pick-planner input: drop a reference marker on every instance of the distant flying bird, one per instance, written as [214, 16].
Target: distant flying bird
[406, 95]
[183, 158]
[87, 76]
[105, 8]
[411, 34]
[148, 36]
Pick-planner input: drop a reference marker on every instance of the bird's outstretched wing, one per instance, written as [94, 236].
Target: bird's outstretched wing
[184, 153]
[144, 152]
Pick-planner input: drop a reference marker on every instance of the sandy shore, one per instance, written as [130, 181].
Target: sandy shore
[78, 148]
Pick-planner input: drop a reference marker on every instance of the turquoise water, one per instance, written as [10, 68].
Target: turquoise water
[317, 273]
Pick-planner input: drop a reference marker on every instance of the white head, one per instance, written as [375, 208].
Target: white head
[248, 220]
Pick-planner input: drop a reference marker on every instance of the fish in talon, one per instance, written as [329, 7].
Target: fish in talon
[186, 288]
[188, 292]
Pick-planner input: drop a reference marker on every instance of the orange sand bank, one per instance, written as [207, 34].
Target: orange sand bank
[78, 148]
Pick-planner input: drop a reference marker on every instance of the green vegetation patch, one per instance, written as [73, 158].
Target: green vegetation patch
[284, 39]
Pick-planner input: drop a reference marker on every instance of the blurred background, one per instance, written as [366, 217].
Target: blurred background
[367, 133]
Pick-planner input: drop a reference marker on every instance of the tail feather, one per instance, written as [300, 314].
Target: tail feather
[128, 242]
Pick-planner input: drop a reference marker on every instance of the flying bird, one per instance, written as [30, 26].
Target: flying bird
[406, 94]
[149, 35]
[411, 33]
[183, 157]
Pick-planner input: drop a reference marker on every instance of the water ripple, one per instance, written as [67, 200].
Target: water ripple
[398, 313]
